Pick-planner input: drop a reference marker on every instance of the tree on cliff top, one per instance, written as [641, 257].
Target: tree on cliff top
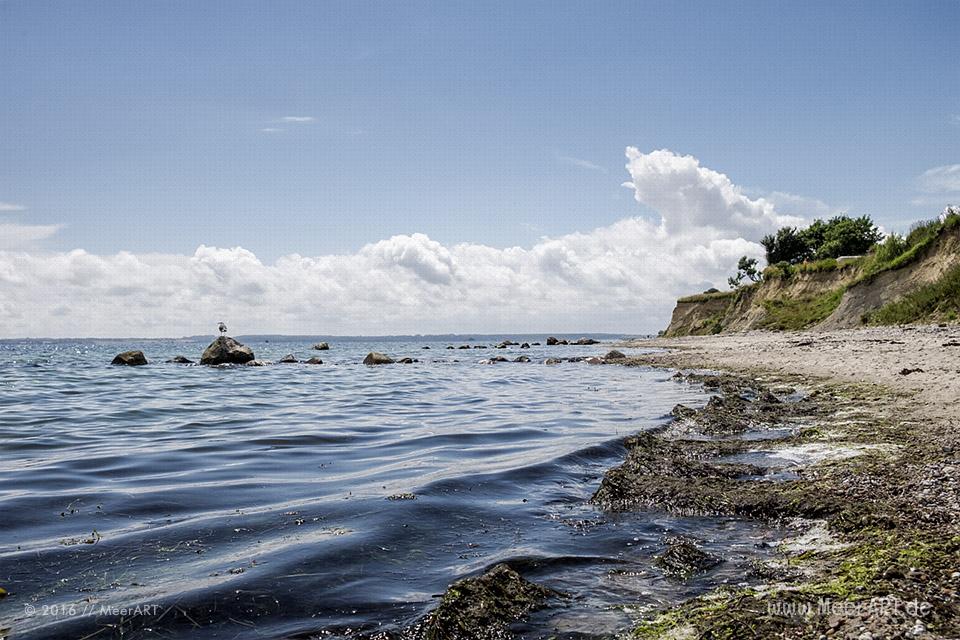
[838, 236]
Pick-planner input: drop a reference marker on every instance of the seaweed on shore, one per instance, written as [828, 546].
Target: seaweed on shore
[894, 569]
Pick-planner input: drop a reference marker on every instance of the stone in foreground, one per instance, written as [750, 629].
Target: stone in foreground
[377, 358]
[485, 606]
[130, 359]
[226, 350]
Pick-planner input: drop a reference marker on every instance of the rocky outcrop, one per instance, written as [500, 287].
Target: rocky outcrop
[615, 355]
[130, 359]
[375, 358]
[226, 350]
[321, 346]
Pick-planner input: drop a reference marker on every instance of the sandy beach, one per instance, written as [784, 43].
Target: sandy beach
[877, 355]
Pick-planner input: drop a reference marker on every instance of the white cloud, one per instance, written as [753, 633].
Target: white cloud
[687, 195]
[792, 204]
[270, 130]
[621, 277]
[14, 235]
[943, 179]
[297, 118]
[9, 206]
[583, 164]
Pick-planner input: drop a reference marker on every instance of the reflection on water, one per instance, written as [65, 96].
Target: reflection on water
[268, 502]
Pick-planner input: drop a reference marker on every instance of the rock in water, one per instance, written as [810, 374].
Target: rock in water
[180, 360]
[322, 346]
[485, 606]
[130, 358]
[683, 559]
[615, 355]
[586, 341]
[552, 341]
[226, 350]
[288, 359]
[377, 358]
[314, 361]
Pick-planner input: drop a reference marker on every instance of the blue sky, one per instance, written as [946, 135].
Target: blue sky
[140, 126]
[448, 166]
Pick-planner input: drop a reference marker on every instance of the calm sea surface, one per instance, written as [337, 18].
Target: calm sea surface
[254, 502]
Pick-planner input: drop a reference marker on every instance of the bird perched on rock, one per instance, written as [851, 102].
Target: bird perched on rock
[223, 329]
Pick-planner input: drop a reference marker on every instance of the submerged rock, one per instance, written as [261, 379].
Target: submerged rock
[321, 346]
[180, 360]
[522, 359]
[483, 607]
[314, 361]
[258, 363]
[288, 359]
[407, 360]
[594, 360]
[130, 359]
[683, 559]
[226, 350]
[552, 361]
[374, 358]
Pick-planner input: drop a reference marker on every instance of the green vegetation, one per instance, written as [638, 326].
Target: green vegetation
[746, 268]
[790, 314]
[838, 236]
[703, 297]
[940, 299]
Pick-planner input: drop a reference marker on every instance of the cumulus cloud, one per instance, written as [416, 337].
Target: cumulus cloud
[687, 195]
[620, 277]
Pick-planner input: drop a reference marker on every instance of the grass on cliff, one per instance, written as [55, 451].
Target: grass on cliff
[791, 314]
[937, 300]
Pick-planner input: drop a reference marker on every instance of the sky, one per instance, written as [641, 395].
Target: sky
[418, 167]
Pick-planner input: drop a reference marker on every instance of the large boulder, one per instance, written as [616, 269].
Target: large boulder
[615, 355]
[130, 359]
[377, 358]
[226, 350]
[552, 341]
[322, 346]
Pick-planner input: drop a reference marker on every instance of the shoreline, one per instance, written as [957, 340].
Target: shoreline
[877, 502]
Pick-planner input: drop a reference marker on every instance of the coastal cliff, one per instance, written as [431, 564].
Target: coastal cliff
[920, 284]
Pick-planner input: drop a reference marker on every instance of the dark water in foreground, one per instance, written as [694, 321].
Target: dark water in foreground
[253, 502]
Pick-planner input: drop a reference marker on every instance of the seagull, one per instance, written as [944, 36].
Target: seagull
[223, 329]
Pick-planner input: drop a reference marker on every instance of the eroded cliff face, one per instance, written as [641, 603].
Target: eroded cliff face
[838, 298]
